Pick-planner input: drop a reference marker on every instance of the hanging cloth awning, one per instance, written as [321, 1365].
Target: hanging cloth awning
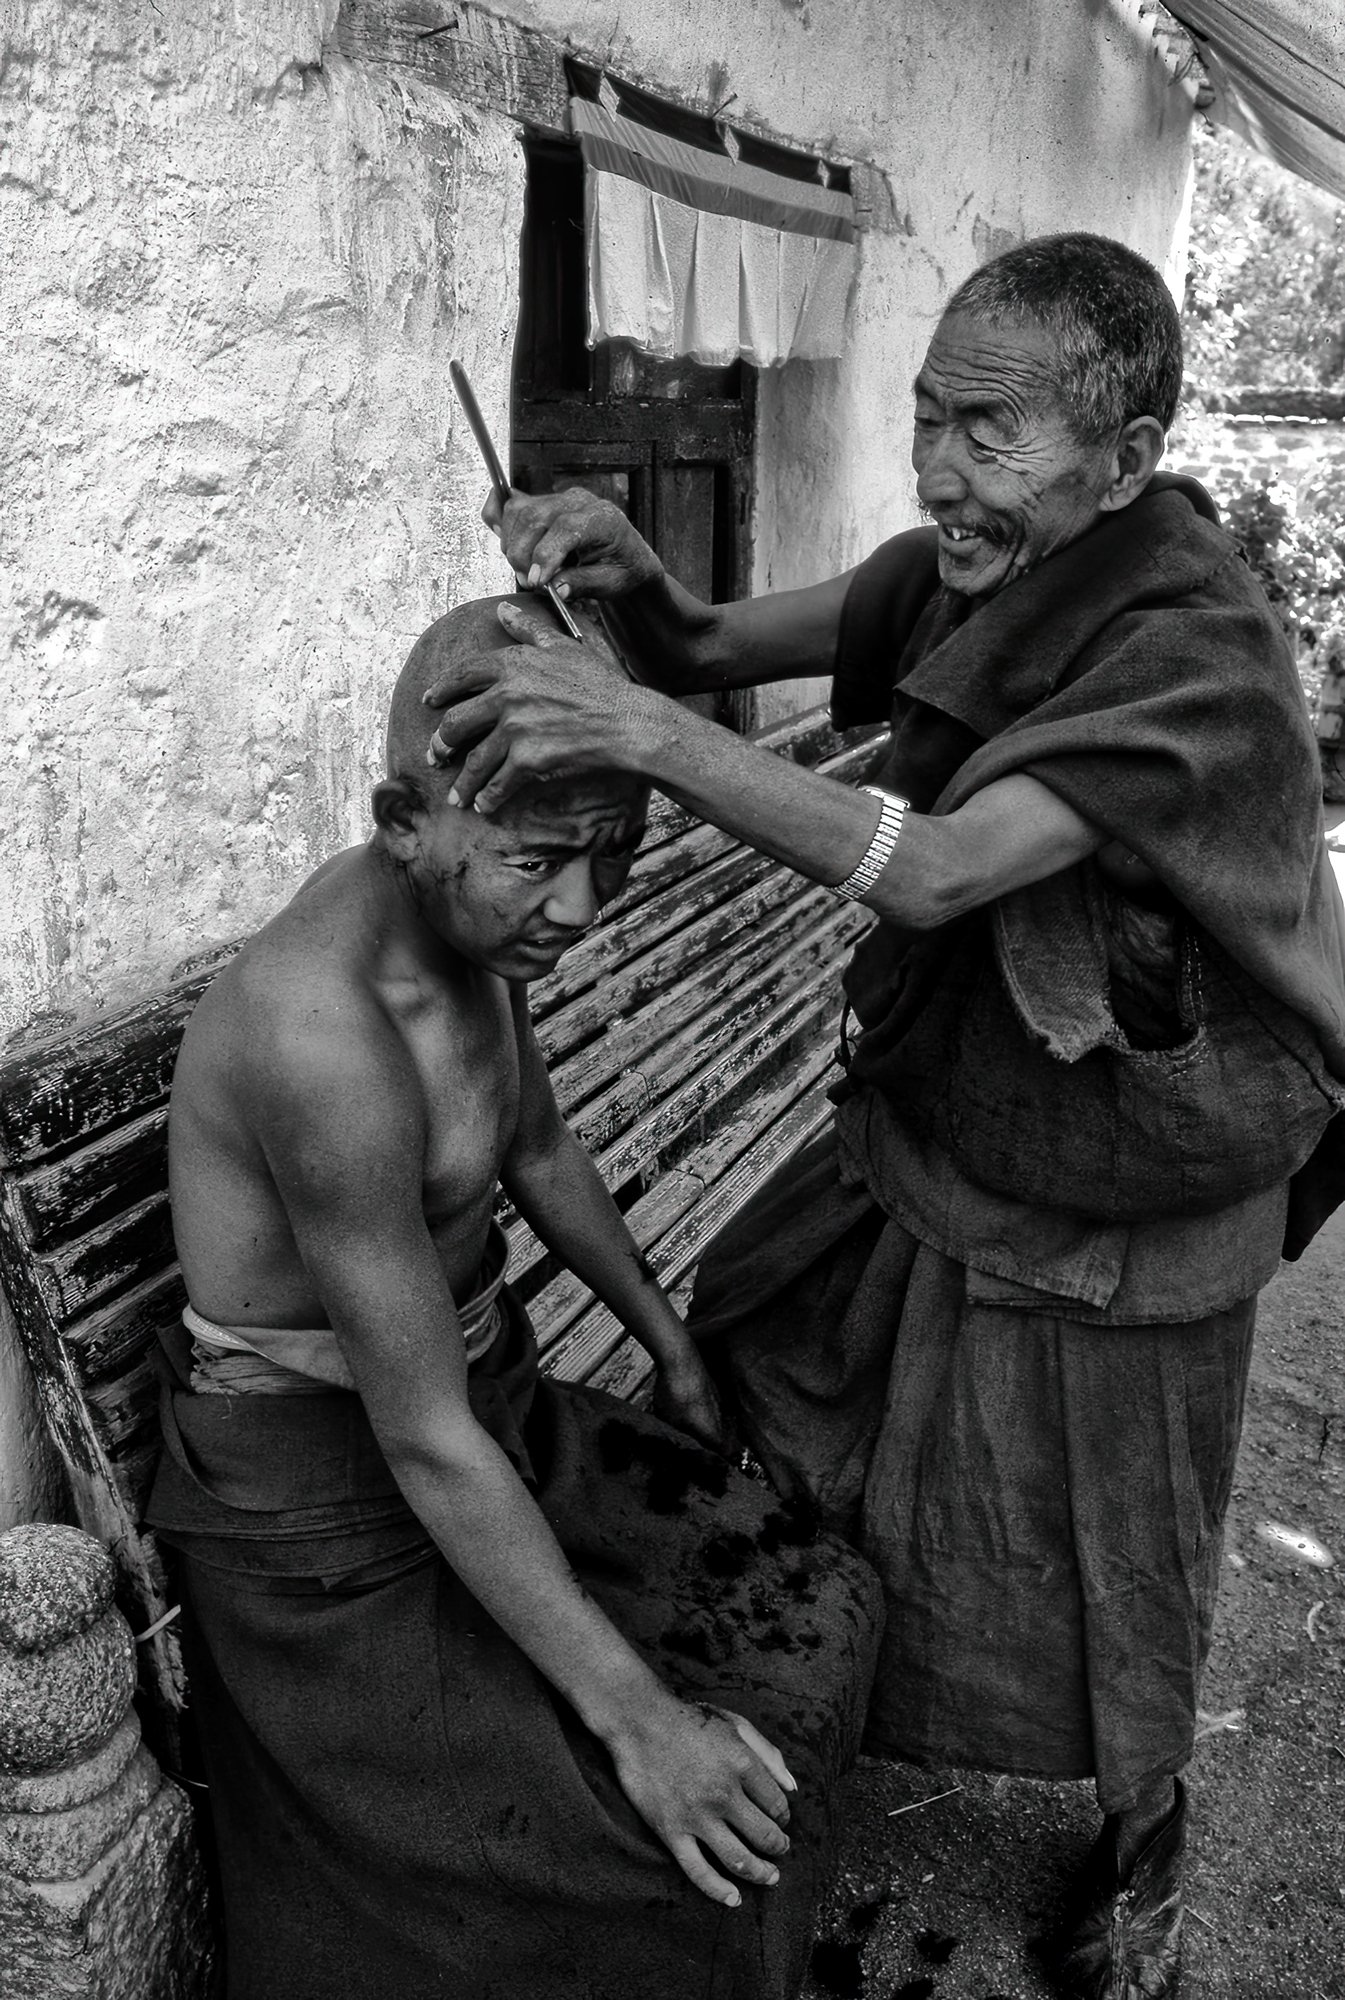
[707, 243]
[1277, 68]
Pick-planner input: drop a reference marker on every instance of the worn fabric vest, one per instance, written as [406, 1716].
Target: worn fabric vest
[1084, 1120]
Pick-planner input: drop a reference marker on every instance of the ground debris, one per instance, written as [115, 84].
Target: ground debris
[936, 1947]
[932, 1800]
[837, 1967]
[1213, 1725]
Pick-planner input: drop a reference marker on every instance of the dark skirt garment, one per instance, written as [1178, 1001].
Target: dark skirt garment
[404, 1807]
[1042, 1498]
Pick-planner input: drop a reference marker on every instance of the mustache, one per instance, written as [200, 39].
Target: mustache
[989, 531]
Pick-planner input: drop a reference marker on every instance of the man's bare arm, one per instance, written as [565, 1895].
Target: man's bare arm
[557, 1189]
[337, 1109]
[548, 708]
[672, 640]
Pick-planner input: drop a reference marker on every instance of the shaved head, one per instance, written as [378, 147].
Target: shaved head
[508, 890]
[461, 635]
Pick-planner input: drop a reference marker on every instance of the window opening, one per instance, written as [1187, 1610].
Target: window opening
[669, 442]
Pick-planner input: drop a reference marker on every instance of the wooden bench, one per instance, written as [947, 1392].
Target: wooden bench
[687, 1035]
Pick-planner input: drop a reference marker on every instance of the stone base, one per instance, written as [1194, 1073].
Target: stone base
[135, 1927]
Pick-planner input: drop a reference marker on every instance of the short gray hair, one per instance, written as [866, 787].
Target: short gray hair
[1112, 316]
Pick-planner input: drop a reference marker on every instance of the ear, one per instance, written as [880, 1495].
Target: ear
[398, 810]
[1139, 446]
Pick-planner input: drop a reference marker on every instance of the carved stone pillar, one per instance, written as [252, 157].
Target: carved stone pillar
[101, 1888]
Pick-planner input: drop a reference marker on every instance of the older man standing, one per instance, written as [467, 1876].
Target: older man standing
[999, 1323]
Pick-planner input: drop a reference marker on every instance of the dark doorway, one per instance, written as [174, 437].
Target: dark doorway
[670, 442]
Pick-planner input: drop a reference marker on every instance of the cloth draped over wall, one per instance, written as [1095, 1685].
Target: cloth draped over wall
[1277, 68]
[707, 255]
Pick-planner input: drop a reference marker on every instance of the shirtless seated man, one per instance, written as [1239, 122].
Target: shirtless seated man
[479, 1661]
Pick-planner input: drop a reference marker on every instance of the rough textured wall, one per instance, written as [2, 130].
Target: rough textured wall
[236, 486]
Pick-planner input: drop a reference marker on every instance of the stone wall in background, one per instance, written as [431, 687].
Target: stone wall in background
[1280, 479]
[1229, 454]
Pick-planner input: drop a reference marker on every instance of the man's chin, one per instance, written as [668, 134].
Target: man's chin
[974, 569]
[530, 961]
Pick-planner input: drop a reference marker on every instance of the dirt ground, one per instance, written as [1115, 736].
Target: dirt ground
[940, 1902]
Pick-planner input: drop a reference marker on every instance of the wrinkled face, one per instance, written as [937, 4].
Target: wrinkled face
[512, 892]
[997, 466]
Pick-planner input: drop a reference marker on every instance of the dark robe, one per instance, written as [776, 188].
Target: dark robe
[1142, 676]
[403, 1804]
[998, 1323]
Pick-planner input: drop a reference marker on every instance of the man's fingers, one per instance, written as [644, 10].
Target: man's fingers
[490, 776]
[698, 1871]
[589, 580]
[553, 548]
[479, 766]
[462, 723]
[762, 1747]
[532, 628]
[738, 1858]
[522, 523]
[463, 679]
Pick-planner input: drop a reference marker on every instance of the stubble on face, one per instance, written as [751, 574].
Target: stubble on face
[999, 469]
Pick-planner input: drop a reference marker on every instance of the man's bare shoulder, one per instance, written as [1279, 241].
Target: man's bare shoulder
[298, 1007]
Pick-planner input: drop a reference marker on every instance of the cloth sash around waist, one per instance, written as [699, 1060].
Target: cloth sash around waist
[290, 1360]
[297, 1485]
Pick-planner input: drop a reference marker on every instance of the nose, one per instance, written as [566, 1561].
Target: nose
[573, 902]
[940, 477]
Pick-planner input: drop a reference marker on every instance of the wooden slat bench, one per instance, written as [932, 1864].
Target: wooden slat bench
[687, 1037]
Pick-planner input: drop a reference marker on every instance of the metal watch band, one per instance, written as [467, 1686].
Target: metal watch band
[885, 837]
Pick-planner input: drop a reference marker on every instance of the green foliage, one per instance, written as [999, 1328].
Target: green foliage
[1300, 558]
[1265, 308]
[1265, 293]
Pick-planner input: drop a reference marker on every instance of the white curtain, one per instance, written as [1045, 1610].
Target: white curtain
[693, 252]
[676, 280]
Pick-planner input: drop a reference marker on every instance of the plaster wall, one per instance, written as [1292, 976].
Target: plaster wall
[236, 482]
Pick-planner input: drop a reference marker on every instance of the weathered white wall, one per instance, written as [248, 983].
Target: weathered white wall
[236, 485]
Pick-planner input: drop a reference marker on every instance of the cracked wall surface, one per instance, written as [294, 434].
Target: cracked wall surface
[236, 483]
